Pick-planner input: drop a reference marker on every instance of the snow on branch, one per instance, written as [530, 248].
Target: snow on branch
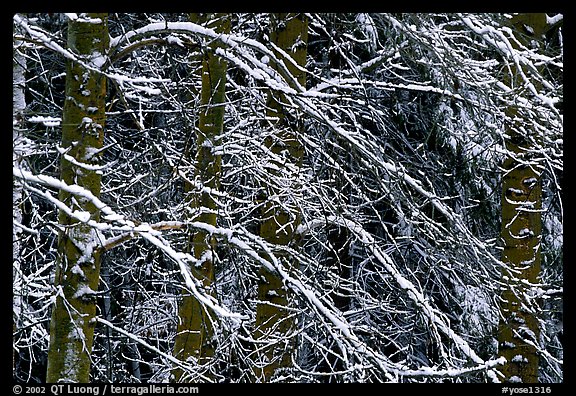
[332, 315]
[146, 345]
[412, 291]
[96, 64]
[144, 230]
[522, 58]
[232, 42]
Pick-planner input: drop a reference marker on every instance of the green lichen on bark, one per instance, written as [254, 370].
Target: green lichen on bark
[274, 322]
[521, 231]
[78, 265]
[195, 325]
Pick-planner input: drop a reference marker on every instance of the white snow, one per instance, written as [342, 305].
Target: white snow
[516, 191]
[260, 63]
[205, 257]
[369, 28]
[113, 217]
[83, 17]
[89, 152]
[519, 359]
[82, 165]
[555, 232]
[524, 232]
[82, 215]
[551, 20]
[412, 291]
[171, 39]
[83, 290]
[47, 121]
[76, 334]
[77, 270]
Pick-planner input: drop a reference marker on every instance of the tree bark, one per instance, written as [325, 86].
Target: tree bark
[18, 139]
[78, 265]
[195, 328]
[521, 233]
[273, 322]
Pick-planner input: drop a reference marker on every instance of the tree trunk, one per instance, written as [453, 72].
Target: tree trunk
[195, 328]
[18, 139]
[521, 233]
[78, 265]
[273, 322]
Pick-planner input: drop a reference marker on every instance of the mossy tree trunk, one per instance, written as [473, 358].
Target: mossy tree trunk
[274, 322]
[521, 231]
[195, 325]
[78, 265]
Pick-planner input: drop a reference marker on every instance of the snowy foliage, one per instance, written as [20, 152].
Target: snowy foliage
[402, 124]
